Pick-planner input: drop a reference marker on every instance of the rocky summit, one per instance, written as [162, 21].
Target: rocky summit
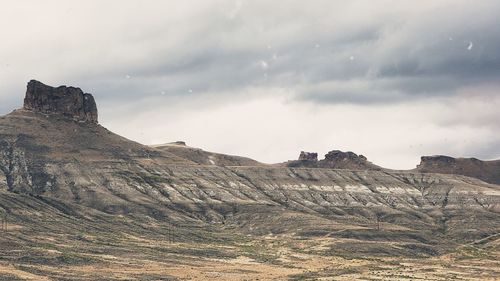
[308, 156]
[334, 159]
[67, 101]
[488, 171]
[78, 202]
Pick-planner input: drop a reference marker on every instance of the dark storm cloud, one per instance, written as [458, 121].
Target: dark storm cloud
[424, 65]
[339, 53]
[435, 57]
[380, 61]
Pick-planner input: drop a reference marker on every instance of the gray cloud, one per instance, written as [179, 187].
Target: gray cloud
[222, 53]
[408, 49]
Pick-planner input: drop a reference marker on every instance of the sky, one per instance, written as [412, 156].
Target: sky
[392, 80]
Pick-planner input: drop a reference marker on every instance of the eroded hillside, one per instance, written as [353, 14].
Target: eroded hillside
[78, 197]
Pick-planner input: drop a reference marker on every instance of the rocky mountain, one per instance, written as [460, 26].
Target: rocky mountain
[488, 171]
[82, 203]
[54, 141]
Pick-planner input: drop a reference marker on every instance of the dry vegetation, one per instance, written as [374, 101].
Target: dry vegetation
[94, 246]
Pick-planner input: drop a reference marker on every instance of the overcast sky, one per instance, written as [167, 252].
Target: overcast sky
[392, 80]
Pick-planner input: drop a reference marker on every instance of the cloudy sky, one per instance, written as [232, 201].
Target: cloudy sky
[392, 80]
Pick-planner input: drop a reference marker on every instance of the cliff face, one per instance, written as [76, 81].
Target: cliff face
[308, 156]
[67, 101]
[488, 171]
[334, 159]
[337, 159]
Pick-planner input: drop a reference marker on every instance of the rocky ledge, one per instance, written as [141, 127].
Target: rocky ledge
[488, 171]
[436, 161]
[308, 156]
[68, 101]
[334, 159]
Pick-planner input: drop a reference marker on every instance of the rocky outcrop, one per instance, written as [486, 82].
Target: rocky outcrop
[337, 159]
[306, 160]
[308, 156]
[337, 155]
[67, 101]
[438, 160]
[334, 159]
[488, 171]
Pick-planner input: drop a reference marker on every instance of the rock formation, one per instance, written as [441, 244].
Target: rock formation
[334, 159]
[488, 171]
[67, 101]
[308, 156]
[337, 159]
[337, 155]
[437, 160]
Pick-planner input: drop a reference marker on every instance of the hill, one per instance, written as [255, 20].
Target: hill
[79, 202]
[488, 171]
[202, 157]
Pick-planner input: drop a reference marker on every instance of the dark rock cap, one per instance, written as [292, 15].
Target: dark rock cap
[334, 159]
[67, 101]
[308, 156]
[437, 159]
[340, 155]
